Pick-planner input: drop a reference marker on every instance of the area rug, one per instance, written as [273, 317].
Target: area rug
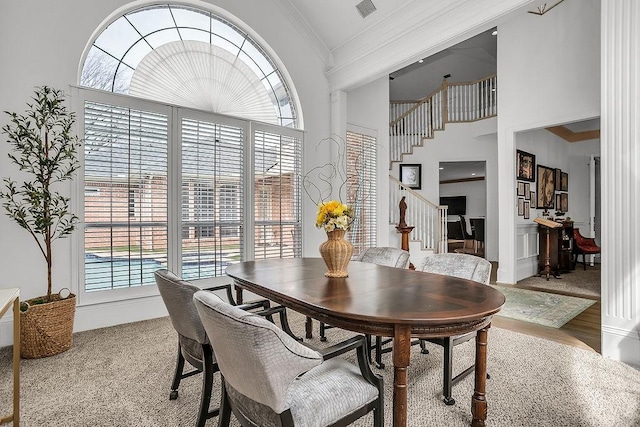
[578, 282]
[541, 308]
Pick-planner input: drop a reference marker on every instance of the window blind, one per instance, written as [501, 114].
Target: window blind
[277, 184]
[361, 189]
[125, 207]
[212, 195]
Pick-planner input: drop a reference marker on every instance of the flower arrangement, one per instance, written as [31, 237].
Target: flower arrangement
[319, 184]
[334, 215]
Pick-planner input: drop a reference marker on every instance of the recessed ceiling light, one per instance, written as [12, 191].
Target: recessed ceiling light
[473, 174]
[441, 168]
[495, 33]
[420, 61]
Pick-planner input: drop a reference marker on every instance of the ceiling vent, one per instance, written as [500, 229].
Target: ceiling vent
[365, 8]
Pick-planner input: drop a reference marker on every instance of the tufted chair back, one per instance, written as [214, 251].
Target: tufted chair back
[255, 357]
[271, 380]
[387, 256]
[463, 266]
[178, 298]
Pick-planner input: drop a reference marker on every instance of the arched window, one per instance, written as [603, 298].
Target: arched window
[189, 57]
[170, 170]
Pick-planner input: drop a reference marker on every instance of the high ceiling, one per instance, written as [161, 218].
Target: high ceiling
[339, 30]
[336, 21]
[337, 24]
[462, 170]
[466, 61]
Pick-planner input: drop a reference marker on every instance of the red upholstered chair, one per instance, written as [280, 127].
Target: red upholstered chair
[583, 246]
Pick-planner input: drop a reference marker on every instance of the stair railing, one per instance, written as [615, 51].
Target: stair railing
[429, 220]
[414, 121]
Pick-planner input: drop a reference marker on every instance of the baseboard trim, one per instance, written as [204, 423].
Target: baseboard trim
[621, 344]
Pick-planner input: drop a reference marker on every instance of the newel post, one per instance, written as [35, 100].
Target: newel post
[405, 229]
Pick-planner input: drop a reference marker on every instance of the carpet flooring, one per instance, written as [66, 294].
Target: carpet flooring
[577, 282]
[542, 308]
[120, 376]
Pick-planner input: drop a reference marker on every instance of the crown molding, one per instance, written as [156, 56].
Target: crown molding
[302, 26]
[419, 29]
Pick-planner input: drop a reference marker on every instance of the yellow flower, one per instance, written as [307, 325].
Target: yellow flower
[334, 214]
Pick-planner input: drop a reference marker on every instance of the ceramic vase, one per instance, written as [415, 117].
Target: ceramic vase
[336, 253]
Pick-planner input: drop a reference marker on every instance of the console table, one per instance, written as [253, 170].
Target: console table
[556, 249]
[7, 298]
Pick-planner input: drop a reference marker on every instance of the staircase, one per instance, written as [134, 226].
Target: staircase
[414, 121]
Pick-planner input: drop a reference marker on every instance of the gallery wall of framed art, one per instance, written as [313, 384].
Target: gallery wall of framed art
[540, 187]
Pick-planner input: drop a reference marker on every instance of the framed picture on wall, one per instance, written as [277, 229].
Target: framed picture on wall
[520, 206]
[533, 200]
[526, 209]
[546, 187]
[564, 202]
[527, 191]
[525, 166]
[558, 178]
[559, 202]
[411, 175]
[520, 188]
[564, 182]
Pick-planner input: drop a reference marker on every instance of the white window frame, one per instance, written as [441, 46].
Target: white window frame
[174, 200]
[371, 133]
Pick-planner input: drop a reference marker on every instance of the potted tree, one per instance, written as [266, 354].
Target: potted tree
[44, 148]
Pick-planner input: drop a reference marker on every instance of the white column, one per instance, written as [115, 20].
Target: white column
[620, 130]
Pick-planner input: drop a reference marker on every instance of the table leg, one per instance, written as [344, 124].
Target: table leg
[308, 328]
[401, 353]
[479, 399]
[238, 294]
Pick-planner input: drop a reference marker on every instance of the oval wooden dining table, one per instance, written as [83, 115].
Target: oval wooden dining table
[382, 301]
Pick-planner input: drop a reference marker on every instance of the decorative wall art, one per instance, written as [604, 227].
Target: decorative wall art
[527, 191]
[564, 202]
[546, 187]
[526, 209]
[533, 200]
[411, 175]
[525, 166]
[558, 178]
[564, 182]
[520, 206]
[559, 203]
[520, 188]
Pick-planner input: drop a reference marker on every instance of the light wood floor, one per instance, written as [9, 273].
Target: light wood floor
[582, 331]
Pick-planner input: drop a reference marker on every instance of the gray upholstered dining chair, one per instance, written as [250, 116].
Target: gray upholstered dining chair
[270, 379]
[387, 256]
[465, 267]
[193, 343]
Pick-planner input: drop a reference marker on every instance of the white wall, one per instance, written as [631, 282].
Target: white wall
[368, 107]
[548, 73]
[475, 141]
[42, 43]
[579, 194]
[476, 193]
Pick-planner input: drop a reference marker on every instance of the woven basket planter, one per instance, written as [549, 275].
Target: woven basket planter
[47, 329]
